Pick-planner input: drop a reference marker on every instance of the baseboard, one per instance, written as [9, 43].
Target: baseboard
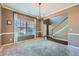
[7, 44]
[2, 46]
[58, 40]
[61, 39]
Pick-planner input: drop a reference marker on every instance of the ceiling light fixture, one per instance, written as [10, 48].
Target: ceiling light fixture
[39, 17]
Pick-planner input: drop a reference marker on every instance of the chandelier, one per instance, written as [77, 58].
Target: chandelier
[39, 17]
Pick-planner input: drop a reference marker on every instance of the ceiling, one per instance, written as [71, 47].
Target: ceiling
[33, 8]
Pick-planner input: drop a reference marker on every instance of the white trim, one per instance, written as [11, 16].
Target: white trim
[7, 33]
[49, 15]
[35, 29]
[73, 33]
[61, 29]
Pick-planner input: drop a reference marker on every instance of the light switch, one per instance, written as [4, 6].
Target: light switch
[70, 29]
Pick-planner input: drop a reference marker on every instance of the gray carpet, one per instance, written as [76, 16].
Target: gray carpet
[36, 48]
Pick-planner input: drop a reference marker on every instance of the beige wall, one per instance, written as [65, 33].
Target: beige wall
[74, 19]
[7, 15]
[0, 25]
[73, 35]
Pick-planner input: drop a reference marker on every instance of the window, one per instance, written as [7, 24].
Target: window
[24, 27]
